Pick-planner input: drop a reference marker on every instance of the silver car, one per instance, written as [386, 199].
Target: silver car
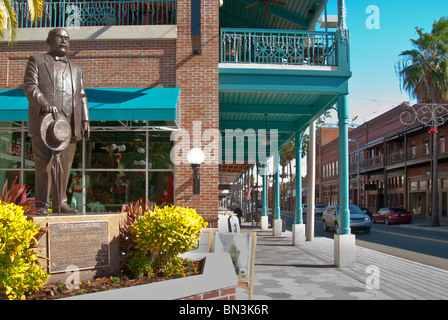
[319, 209]
[358, 220]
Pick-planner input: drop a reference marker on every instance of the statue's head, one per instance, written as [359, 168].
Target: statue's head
[59, 41]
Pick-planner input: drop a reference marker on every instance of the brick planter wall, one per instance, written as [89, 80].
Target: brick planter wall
[220, 294]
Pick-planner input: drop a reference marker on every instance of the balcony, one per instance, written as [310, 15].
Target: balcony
[276, 79]
[83, 13]
[411, 156]
[278, 47]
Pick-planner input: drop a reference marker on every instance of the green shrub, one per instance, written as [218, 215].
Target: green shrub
[173, 267]
[133, 212]
[139, 265]
[164, 233]
[19, 272]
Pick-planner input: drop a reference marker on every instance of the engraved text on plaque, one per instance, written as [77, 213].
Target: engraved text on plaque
[82, 244]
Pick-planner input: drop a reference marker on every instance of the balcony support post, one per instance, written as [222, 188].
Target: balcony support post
[298, 228]
[276, 219]
[344, 241]
[264, 212]
[310, 216]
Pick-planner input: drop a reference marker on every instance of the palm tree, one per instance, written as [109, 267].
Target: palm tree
[423, 71]
[8, 18]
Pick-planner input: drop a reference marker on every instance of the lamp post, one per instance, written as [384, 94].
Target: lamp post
[196, 157]
[432, 115]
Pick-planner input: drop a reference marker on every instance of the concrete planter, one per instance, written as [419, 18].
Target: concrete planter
[218, 281]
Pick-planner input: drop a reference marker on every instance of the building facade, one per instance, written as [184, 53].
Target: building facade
[165, 76]
[390, 166]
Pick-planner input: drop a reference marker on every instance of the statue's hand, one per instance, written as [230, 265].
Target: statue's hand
[50, 109]
[86, 129]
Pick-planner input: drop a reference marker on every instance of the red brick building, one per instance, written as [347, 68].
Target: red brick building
[134, 57]
[394, 165]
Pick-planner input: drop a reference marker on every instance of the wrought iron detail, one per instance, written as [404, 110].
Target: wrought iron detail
[432, 115]
[278, 47]
[79, 13]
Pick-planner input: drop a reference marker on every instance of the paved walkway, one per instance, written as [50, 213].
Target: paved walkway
[307, 272]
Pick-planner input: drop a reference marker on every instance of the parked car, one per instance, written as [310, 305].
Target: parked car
[319, 208]
[358, 220]
[304, 208]
[367, 212]
[392, 215]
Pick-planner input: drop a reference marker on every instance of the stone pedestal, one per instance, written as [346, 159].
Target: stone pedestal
[298, 234]
[264, 223]
[277, 226]
[80, 247]
[344, 250]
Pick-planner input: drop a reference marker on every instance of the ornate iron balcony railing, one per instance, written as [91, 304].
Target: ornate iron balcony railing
[278, 47]
[82, 13]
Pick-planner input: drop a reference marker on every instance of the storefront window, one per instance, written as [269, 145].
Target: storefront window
[106, 150]
[10, 146]
[121, 166]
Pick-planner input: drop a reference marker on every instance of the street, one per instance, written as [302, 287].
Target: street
[425, 245]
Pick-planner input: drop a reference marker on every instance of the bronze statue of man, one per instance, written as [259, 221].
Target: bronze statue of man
[54, 85]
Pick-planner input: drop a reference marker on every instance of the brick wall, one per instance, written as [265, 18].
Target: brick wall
[220, 294]
[197, 76]
[105, 63]
[155, 63]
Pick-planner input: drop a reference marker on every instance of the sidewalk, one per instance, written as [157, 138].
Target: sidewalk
[307, 272]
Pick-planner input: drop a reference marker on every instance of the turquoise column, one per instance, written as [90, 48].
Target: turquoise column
[264, 213]
[298, 147]
[344, 212]
[277, 186]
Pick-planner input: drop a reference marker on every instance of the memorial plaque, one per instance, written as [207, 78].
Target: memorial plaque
[82, 244]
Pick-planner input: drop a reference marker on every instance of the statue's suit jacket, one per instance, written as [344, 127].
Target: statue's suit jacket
[38, 85]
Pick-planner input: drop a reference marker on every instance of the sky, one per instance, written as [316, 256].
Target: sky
[375, 45]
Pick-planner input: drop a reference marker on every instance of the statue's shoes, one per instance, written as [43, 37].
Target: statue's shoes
[65, 209]
[43, 211]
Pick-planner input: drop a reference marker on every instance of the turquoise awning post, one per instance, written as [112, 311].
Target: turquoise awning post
[344, 241]
[277, 222]
[277, 186]
[109, 104]
[298, 228]
[344, 212]
[299, 209]
[264, 212]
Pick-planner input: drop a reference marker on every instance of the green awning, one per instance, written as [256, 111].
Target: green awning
[110, 104]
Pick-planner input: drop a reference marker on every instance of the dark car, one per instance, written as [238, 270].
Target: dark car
[392, 215]
[367, 212]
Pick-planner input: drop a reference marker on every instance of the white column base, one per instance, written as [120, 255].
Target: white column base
[344, 250]
[277, 227]
[264, 223]
[298, 234]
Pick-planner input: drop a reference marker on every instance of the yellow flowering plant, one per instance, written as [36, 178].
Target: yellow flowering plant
[19, 272]
[165, 232]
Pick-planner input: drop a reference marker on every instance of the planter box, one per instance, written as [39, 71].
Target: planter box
[218, 281]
